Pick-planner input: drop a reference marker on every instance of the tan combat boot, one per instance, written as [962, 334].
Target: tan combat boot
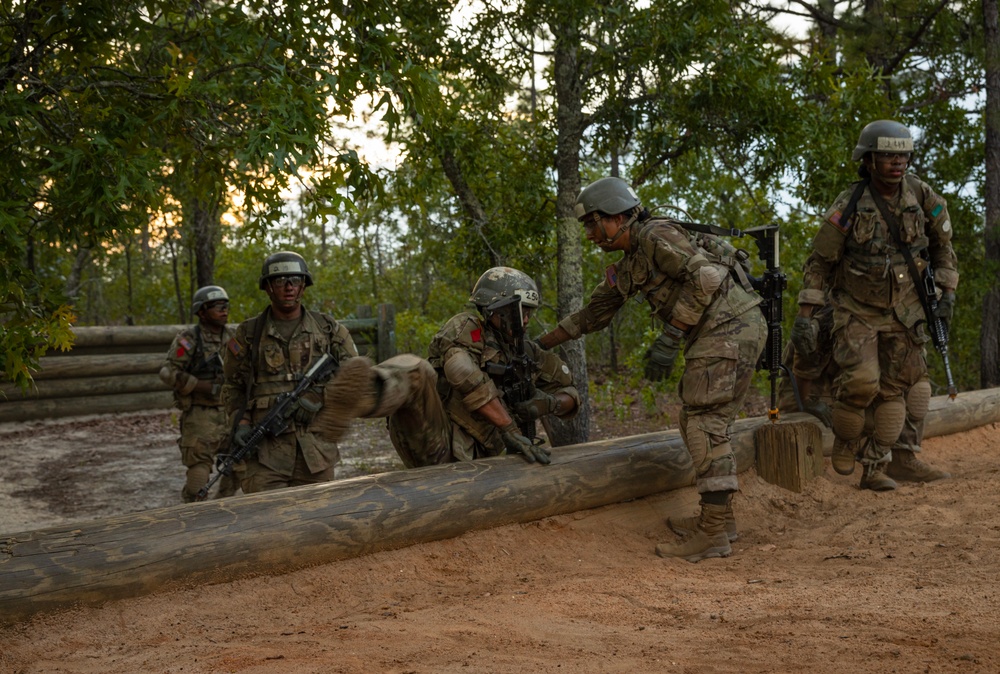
[906, 467]
[843, 455]
[685, 526]
[708, 539]
[352, 393]
[874, 478]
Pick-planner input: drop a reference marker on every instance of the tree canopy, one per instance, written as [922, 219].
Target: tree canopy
[153, 141]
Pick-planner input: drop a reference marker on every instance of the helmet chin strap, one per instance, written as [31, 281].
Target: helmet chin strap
[621, 230]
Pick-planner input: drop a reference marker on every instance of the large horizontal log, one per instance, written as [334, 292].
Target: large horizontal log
[85, 386]
[276, 532]
[63, 367]
[125, 335]
[26, 410]
[113, 337]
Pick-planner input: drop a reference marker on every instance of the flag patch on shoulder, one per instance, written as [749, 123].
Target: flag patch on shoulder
[611, 275]
[234, 347]
[837, 220]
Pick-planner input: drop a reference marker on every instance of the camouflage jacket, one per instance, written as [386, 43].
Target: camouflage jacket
[858, 260]
[279, 365]
[198, 352]
[666, 266]
[469, 333]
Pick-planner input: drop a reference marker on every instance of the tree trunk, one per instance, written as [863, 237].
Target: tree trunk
[205, 218]
[570, 123]
[989, 339]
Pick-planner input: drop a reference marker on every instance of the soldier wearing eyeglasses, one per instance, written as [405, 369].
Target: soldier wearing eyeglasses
[871, 250]
[267, 357]
[193, 369]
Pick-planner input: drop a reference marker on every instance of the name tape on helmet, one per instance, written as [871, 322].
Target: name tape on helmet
[284, 268]
[529, 298]
[886, 144]
[215, 295]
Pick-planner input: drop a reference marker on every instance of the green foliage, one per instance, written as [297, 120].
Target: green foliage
[120, 120]
[112, 113]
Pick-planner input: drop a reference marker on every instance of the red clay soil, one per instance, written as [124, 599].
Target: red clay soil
[831, 580]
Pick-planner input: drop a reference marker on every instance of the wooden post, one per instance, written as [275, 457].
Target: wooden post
[386, 331]
[789, 454]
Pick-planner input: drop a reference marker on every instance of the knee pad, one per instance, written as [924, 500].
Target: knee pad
[918, 400]
[889, 418]
[848, 422]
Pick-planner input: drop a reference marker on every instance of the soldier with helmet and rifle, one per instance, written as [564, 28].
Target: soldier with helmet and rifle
[281, 368]
[883, 254]
[707, 309]
[193, 369]
[480, 392]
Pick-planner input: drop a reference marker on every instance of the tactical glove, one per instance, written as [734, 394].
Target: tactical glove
[307, 406]
[820, 410]
[660, 357]
[518, 444]
[242, 434]
[946, 308]
[805, 335]
[537, 406]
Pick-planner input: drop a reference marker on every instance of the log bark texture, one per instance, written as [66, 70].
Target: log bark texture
[26, 410]
[277, 532]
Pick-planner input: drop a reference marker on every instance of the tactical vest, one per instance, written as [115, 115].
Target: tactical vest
[661, 290]
[872, 270]
[274, 372]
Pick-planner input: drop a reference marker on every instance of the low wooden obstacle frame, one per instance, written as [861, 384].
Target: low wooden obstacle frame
[114, 368]
[277, 532]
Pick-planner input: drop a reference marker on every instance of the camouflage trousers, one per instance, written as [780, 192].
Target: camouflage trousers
[881, 363]
[204, 433]
[419, 426]
[718, 368]
[877, 358]
[260, 477]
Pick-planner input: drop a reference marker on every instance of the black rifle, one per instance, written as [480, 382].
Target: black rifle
[514, 378]
[208, 368]
[274, 422]
[936, 326]
[770, 287]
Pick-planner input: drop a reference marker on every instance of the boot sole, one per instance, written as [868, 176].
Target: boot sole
[709, 554]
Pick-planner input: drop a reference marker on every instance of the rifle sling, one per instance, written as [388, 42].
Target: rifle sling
[893, 224]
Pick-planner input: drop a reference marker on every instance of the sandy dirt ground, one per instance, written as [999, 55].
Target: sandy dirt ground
[830, 580]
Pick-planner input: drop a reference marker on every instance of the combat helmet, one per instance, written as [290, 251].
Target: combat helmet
[284, 263]
[610, 196]
[883, 135]
[499, 283]
[206, 295]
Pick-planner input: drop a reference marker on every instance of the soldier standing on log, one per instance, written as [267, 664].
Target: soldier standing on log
[704, 308]
[267, 357]
[479, 393]
[193, 369]
[871, 252]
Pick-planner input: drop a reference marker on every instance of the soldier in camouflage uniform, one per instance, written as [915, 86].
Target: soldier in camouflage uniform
[705, 308]
[454, 406]
[879, 322]
[265, 358]
[808, 355]
[193, 369]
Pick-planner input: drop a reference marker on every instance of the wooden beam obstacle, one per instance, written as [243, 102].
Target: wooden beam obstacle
[114, 368]
[280, 531]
